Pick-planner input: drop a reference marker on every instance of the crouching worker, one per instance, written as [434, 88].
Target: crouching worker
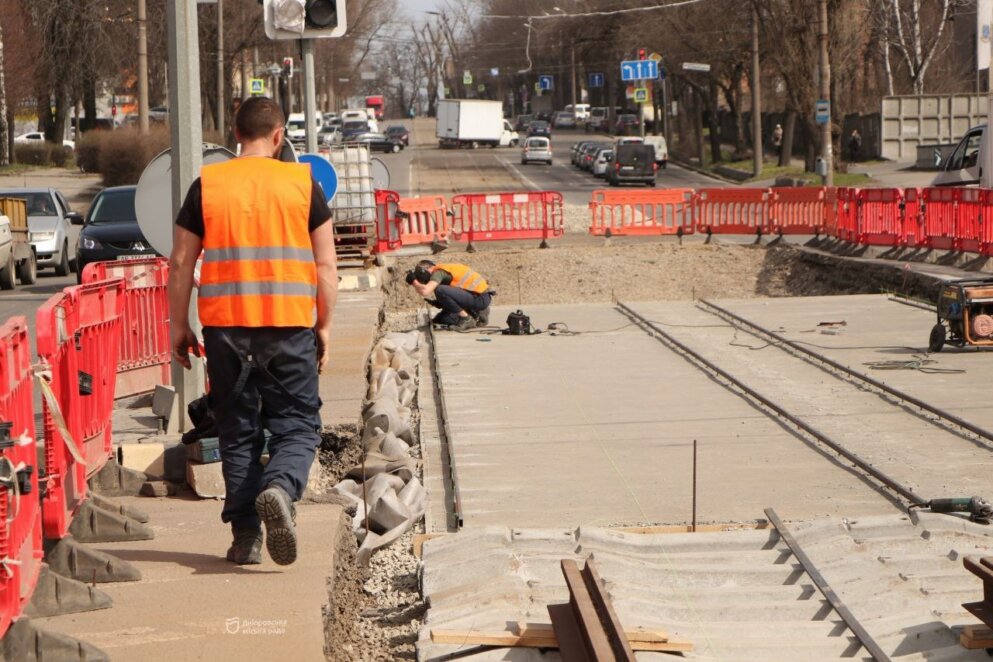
[462, 294]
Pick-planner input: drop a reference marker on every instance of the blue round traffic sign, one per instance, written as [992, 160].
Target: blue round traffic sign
[323, 172]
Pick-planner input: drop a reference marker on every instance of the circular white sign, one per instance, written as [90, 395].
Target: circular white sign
[153, 199]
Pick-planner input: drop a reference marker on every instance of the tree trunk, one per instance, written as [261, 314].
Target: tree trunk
[786, 147]
[712, 124]
[4, 127]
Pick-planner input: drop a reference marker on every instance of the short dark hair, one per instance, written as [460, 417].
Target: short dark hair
[427, 264]
[257, 118]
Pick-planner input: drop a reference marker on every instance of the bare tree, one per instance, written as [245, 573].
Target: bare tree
[915, 34]
[4, 127]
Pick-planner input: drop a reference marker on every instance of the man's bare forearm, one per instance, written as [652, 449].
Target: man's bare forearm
[327, 293]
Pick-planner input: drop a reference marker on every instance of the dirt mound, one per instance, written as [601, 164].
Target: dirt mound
[649, 271]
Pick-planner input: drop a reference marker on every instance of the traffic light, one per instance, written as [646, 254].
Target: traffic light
[304, 19]
[642, 53]
[288, 67]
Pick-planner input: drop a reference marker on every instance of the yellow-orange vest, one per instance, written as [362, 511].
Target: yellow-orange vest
[464, 277]
[258, 261]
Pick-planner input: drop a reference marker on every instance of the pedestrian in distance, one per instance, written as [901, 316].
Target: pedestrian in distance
[854, 145]
[268, 287]
[462, 294]
[777, 139]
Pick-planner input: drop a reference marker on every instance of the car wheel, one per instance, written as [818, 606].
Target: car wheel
[514, 143]
[27, 271]
[62, 268]
[396, 148]
[7, 274]
[652, 183]
[475, 144]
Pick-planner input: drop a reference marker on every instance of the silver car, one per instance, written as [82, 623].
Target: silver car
[536, 148]
[53, 227]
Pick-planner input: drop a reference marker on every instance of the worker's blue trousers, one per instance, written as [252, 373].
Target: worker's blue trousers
[263, 379]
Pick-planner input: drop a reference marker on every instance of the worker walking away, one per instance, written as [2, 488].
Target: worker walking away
[462, 294]
[268, 261]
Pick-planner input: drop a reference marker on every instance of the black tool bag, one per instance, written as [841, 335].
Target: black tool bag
[519, 324]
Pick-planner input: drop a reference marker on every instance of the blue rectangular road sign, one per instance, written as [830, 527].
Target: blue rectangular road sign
[639, 70]
[544, 83]
[822, 111]
[596, 80]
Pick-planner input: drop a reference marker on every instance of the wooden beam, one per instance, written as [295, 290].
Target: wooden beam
[541, 635]
[974, 637]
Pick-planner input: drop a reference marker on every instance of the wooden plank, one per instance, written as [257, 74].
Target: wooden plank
[688, 528]
[541, 639]
[642, 635]
[974, 637]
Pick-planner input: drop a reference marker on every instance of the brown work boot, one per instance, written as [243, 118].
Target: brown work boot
[246, 548]
[276, 510]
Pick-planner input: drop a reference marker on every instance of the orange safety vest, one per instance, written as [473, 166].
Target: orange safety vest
[464, 277]
[258, 261]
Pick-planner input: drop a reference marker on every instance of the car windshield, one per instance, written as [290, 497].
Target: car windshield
[114, 207]
[295, 124]
[539, 124]
[39, 204]
[396, 129]
[356, 126]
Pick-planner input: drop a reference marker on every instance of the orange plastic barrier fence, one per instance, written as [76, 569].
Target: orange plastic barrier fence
[20, 512]
[831, 211]
[847, 214]
[389, 233]
[78, 337]
[972, 221]
[144, 344]
[503, 216]
[880, 217]
[940, 207]
[733, 211]
[651, 212]
[913, 222]
[799, 210]
[424, 220]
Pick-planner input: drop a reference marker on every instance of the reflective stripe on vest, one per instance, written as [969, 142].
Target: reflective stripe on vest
[258, 264]
[464, 277]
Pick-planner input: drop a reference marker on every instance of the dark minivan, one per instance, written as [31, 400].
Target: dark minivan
[632, 163]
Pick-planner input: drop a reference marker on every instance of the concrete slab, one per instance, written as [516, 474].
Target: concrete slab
[191, 604]
[343, 384]
[930, 460]
[598, 428]
[878, 329]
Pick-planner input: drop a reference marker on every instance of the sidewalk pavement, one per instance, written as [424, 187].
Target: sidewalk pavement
[894, 174]
[192, 604]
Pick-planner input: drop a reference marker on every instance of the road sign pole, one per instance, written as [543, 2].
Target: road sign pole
[220, 67]
[827, 147]
[187, 145]
[309, 94]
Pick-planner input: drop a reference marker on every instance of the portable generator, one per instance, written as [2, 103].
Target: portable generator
[965, 314]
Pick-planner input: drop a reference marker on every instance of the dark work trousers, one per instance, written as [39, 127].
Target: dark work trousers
[455, 299]
[263, 379]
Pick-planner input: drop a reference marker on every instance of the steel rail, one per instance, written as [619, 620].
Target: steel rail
[456, 520]
[701, 362]
[836, 603]
[816, 358]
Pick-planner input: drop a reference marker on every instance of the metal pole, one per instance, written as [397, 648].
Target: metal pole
[986, 174]
[573, 57]
[187, 140]
[309, 94]
[756, 85]
[694, 486]
[220, 67]
[142, 67]
[826, 141]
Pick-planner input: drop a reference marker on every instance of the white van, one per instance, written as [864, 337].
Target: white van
[296, 128]
[661, 150]
[964, 166]
[581, 111]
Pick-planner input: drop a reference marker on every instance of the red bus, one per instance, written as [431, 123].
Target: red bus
[378, 103]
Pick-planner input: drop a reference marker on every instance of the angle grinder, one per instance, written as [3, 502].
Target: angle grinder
[980, 510]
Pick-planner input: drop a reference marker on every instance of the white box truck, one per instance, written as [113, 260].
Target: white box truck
[472, 123]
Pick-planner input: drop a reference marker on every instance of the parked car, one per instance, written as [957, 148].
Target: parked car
[627, 125]
[111, 231]
[602, 161]
[577, 150]
[522, 122]
[586, 158]
[536, 148]
[328, 135]
[351, 129]
[964, 165]
[661, 150]
[581, 111]
[53, 227]
[632, 163]
[539, 128]
[330, 118]
[598, 125]
[37, 137]
[399, 133]
[565, 120]
[378, 142]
